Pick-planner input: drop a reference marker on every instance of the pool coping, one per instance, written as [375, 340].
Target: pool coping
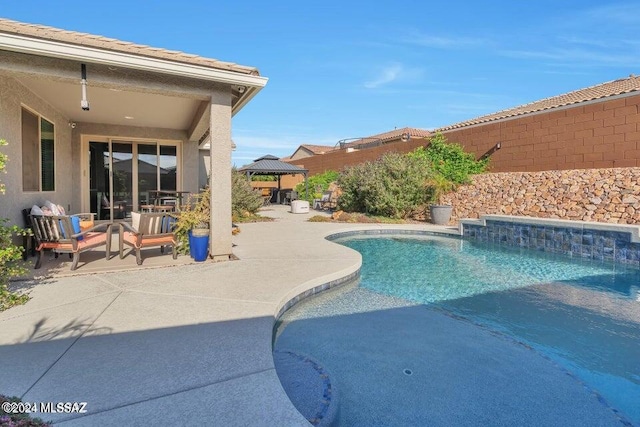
[344, 277]
[350, 274]
[312, 287]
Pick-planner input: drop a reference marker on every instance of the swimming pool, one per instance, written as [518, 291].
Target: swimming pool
[443, 331]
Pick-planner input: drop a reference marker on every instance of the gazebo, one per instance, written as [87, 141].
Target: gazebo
[271, 165]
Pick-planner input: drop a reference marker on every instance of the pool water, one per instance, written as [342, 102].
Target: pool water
[518, 336]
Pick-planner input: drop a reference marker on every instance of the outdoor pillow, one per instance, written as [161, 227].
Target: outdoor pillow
[75, 224]
[35, 210]
[168, 222]
[52, 207]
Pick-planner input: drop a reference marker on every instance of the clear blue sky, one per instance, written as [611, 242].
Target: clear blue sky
[342, 69]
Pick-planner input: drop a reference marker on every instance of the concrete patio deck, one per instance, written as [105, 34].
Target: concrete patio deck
[182, 345]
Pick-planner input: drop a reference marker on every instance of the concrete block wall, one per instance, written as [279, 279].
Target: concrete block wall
[599, 134]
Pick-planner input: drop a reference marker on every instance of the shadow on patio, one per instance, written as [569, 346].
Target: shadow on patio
[178, 375]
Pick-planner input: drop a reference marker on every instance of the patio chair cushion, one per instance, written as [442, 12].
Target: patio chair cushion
[146, 230]
[132, 239]
[135, 220]
[91, 240]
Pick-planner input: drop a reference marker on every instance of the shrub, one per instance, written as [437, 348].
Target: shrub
[10, 254]
[244, 199]
[196, 213]
[353, 187]
[452, 166]
[18, 420]
[318, 184]
[450, 160]
[393, 186]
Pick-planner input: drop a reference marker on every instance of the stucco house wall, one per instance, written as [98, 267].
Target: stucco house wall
[14, 96]
[170, 97]
[68, 159]
[301, 153]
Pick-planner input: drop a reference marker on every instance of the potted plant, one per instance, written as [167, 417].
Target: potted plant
[438, 186]
[192, 226]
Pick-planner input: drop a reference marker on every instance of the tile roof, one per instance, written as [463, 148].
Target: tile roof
[83, 39]
[390, 136]
[603, 90]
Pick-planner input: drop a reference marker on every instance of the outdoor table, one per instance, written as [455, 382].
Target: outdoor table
[158, 195]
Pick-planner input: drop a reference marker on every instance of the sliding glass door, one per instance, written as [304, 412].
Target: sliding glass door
[123, 173]
[147, 171]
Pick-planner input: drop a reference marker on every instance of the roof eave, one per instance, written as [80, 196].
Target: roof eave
[55, 49]
[247, 96]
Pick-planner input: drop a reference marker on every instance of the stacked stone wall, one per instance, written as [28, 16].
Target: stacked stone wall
[602, 195]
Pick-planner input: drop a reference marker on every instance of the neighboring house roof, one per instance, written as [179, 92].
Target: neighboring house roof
[270, 165]
[317, 149]
[389, 136]
[600, 91]
[83, 39]
[307, 150]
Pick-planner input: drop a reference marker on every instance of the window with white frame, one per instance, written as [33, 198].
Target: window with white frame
[38, 153]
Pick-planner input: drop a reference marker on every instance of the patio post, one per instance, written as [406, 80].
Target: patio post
[220, 178]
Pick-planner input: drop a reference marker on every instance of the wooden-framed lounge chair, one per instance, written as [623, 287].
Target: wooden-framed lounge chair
[325, 202]
[290, 196]
[148, 230]
[28, 240]
[266, 196]
[59, 234]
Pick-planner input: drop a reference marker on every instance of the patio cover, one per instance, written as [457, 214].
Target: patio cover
[271, 165]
